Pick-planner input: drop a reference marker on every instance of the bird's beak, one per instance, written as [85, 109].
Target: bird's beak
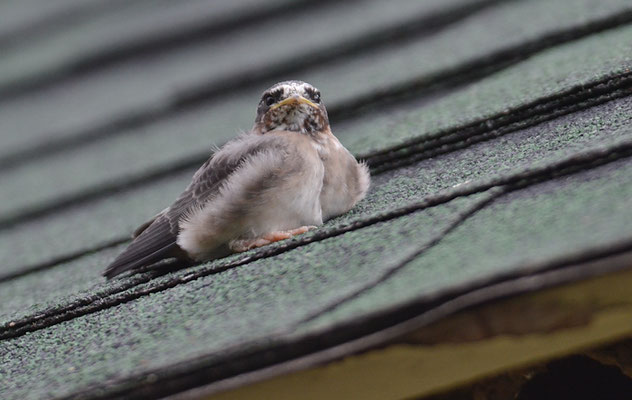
[296, 99]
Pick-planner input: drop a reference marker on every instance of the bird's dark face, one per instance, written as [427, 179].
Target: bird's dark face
[292, 106]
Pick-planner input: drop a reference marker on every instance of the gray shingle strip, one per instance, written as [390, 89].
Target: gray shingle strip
[61, 259]
[35, 117]
[142, 29]
[276, 294]
[151, 147]
[328, 344]
[85, 227]
[31, 295]
[99, 296]
[397, 230]
[100, 26]
[27, 18]
[386, 195]
[572, 100]
[545, 142]
[142, 286]
[87, 101]
[524, 228]
[66, 232]
[466, 45]
[539, 78]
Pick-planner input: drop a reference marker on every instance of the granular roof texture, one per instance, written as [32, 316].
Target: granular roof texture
[498, 133]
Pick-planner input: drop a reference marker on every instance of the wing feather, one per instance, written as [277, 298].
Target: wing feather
[157, 238]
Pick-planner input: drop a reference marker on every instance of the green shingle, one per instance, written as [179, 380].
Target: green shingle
[271, 294]
[33, 293]
[523, 228]
[551, 181]
[99, 28]
[117, 215]
[23, 16]
[546, 74]
[151, 81]
[85, 227]
[216, 315]
[191, 133]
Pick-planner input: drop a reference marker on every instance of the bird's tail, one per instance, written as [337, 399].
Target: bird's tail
[122, 263]
[155, 243]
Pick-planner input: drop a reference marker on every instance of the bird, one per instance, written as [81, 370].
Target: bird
[284, 177]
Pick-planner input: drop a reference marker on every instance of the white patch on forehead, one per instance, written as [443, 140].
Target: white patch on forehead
[292, 87]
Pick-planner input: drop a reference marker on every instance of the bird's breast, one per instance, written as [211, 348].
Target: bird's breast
[341, 170]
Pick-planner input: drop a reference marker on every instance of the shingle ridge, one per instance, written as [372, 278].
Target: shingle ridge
[576, 98]
[416, 25]
[141, 285]
[428, 84]
[381, 325]
[138, 48]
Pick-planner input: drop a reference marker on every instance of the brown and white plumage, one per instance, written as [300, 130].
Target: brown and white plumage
[288, 174]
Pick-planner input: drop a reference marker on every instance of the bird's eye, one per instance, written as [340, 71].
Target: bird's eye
[269, 100]
[315, 96]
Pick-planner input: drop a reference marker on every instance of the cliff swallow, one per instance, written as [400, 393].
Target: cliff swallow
[284, 177]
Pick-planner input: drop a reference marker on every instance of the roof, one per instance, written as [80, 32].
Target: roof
[499, 149]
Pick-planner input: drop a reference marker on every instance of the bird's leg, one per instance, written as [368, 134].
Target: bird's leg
[241, 245]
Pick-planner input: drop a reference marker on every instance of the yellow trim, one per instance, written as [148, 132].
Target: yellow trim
[294, 100]
[410, 370]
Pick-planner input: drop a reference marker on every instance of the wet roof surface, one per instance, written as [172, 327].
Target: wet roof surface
[498, 148]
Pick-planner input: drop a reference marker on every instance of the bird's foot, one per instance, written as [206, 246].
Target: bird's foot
[241, 245]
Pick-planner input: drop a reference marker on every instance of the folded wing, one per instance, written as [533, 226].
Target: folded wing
[157, 239]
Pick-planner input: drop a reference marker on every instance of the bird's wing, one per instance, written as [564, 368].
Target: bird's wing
[157, 238]
[147, 223]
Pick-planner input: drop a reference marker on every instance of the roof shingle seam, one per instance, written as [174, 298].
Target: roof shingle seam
[54, 19]
[415, 28]
[417, 25]
[575, 99]
[195, 97]
[480, 67]
[543, 109]
[108, 57]
[528, 269]
[28, 268]
[493, 194]
[128, 291]
[389, 323]
[87, 304]
[4, 277]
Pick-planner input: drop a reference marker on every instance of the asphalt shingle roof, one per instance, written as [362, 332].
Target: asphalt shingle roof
[499, 148]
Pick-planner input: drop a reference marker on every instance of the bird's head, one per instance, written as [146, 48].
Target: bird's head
[292, 106]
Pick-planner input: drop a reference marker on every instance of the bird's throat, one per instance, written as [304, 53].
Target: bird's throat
[301, 119]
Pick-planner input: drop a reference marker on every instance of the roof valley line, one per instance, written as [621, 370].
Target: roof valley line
[132, 290]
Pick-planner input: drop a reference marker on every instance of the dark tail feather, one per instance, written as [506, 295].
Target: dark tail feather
[123, 263]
